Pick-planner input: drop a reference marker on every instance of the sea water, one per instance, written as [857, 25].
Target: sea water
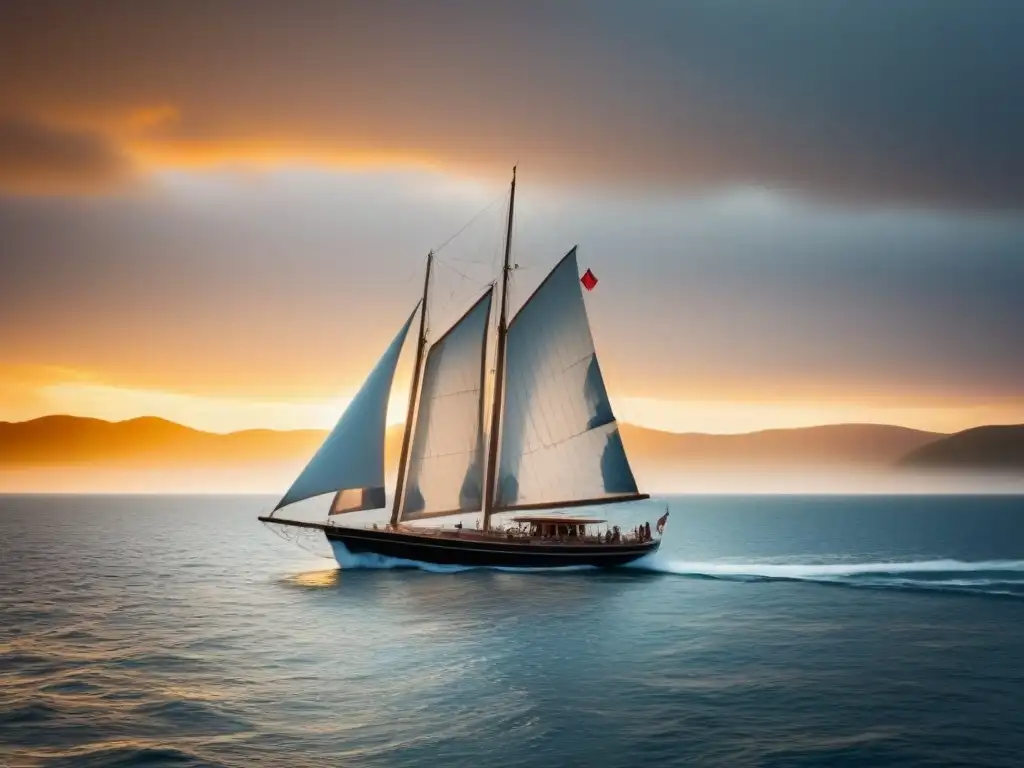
[771, 631]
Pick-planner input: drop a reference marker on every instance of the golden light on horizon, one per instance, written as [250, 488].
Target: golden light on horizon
[742, 416]
[75, 393]
[211, 414]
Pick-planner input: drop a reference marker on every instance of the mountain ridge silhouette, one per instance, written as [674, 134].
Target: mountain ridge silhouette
[62, 439]
[995, 446]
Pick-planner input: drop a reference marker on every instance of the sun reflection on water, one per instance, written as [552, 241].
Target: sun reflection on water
[318, 579]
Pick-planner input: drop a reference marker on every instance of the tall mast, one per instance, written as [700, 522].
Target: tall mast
[499, 366]
[403, 459]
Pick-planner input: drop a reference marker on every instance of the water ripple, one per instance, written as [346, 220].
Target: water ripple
[176, 631]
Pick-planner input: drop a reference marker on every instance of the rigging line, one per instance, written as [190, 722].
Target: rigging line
[469, 261]
[410, 274]
[458, 272]
[453, 394]
[469, 223]
[450, 300]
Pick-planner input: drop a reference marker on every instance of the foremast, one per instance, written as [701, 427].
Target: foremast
[403, 460]
[499, 368]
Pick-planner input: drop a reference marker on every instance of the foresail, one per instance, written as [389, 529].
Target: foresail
[352, 456]
[445, 473]
[357, 500]
[560, 443]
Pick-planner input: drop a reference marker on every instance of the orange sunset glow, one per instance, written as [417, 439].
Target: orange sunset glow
[227, 240]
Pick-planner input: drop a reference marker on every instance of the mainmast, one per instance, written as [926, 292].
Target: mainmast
[403, 460]
[499, 367]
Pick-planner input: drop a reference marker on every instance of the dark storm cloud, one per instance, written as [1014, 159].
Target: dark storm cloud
[34, 155]
[908, 101]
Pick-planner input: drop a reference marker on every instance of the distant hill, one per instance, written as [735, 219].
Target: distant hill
[846, 444]
[993, 448]
[74, 440]
[71, 440]
[64, 440]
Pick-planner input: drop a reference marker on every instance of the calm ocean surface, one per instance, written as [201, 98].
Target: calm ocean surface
[772, 631]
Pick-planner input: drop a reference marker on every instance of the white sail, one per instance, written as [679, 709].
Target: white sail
[352, 456]
[445, 474]
[560, 443]
[357, 499]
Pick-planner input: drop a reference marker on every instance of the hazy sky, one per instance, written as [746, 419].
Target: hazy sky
[799, 212]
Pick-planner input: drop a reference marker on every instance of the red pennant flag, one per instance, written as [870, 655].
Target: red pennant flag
[588, 280]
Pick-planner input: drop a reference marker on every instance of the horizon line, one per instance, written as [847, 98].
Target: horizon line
[633, 425]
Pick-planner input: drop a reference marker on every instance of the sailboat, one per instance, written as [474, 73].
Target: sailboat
[552, 442]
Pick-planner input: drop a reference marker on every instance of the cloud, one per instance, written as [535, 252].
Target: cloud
[289, 288]
[905, 102]
[35, 157]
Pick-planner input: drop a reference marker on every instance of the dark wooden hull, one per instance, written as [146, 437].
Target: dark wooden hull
[478, 551]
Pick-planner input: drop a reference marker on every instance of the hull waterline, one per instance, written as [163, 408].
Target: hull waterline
[476, 551]
[473, 549]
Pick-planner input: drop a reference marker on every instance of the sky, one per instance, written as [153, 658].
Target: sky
[799, 213]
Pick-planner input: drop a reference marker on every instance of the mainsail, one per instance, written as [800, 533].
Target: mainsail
[560, 443]
[351, 460]
[446, 461]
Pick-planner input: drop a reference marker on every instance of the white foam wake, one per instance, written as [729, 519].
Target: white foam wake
[368, 561]
[989, 576]
[825, 570]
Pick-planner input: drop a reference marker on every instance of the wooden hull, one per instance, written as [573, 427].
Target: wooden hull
[473, 550]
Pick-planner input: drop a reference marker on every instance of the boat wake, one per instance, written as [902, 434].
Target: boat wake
[367, 561]
[999, 578]
[1003, 578]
